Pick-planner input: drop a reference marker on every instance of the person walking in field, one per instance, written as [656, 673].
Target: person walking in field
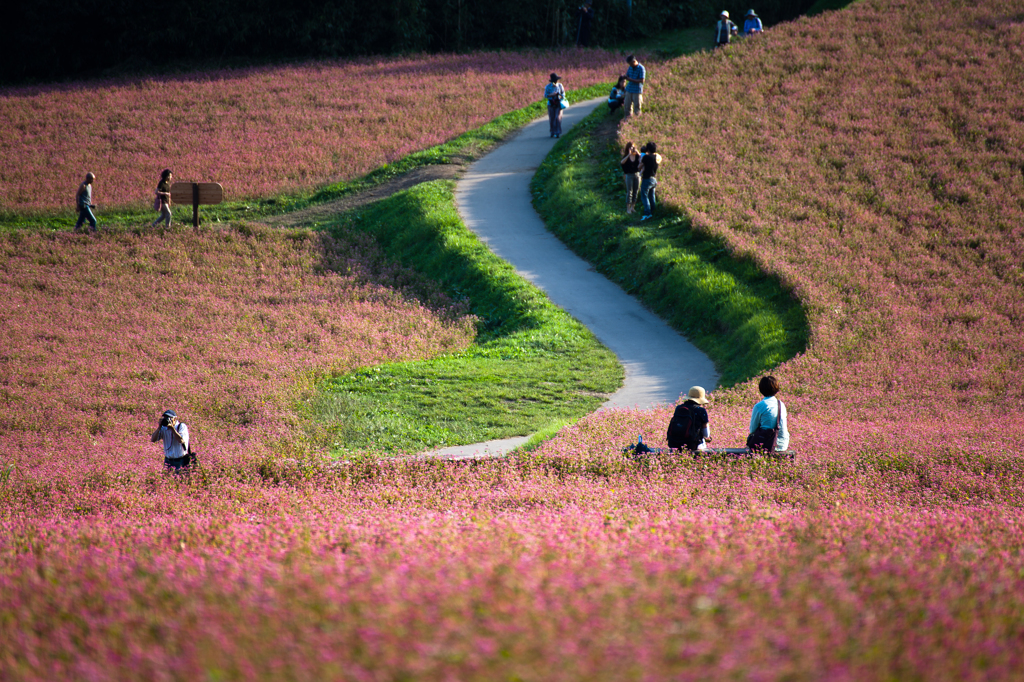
[174, 434]
[554, 93]
[769, 423]
[649, 165]
[163, 198]
[752, 24]
[83, 200]
[690, 426]
[724, 30]
[631, 175]
[635, 76]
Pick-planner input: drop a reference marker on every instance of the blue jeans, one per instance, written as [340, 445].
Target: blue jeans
[85, 213]
[555, 118]
[647, 191]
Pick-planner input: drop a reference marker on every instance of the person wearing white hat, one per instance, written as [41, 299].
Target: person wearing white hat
[690, 427]
[752, 24]
[724, 30]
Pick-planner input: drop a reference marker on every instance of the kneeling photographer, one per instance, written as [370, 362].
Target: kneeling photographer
[175, 436]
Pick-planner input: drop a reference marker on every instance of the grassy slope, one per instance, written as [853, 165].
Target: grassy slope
[532, 365]
[746, 322]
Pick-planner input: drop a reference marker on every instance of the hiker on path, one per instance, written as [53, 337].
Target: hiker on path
[724, 30]
[635, 76]
[690, 427]
[174, 434]
[618, 95]
[768, 416]
[554, 93]
[83, 200]
[631, 175]
[163, 198]
[752, 24]
[649, 165]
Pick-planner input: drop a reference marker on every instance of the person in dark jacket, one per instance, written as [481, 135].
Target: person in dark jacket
[690, 427]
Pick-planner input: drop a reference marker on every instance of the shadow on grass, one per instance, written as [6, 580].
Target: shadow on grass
[531, 365]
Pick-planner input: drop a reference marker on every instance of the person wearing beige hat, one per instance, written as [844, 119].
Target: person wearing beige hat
[724, 30]
[690, 427]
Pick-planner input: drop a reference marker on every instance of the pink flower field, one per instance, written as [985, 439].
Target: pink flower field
[870, 157]
[261, 131]
[102, 335]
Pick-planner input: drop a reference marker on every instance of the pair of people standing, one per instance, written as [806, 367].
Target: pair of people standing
[690, 427]
[639, 171]
[83, 201]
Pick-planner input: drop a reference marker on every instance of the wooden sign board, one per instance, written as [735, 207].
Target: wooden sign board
[209, 192]
[196, 193]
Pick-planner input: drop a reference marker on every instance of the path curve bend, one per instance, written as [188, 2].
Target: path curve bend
[493, 198]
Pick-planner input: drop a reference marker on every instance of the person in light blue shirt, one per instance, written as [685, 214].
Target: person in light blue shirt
[554, 93]
[752, 24]
[770, 411]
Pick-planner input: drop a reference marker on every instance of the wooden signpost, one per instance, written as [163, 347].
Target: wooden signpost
[196, 193]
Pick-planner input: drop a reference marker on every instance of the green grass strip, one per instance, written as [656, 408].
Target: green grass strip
[470, 145]
[743, 319]
[531, 366]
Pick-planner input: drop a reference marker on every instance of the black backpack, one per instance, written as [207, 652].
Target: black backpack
[684, 428]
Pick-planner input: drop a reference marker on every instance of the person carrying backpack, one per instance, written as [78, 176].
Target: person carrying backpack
[689, 427]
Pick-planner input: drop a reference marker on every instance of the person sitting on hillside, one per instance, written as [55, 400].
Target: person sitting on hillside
[724, 30]
[752, 24]
[618, 95]
[769, 425]
[690, 426]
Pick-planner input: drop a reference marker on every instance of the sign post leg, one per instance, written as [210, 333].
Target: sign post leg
[195, 204]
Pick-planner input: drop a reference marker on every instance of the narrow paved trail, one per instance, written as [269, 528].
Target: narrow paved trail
[493, 198]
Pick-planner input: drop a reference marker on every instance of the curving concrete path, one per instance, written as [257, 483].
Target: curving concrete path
[493, 198]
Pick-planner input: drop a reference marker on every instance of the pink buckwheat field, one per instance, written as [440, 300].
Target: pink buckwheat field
[262, 130]
[870, 157]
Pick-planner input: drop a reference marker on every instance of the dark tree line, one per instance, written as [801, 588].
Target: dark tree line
[56, 39]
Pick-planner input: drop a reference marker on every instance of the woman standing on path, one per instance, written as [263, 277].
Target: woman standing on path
[631, 174]
[163, 194]
[555, 95]
[648, 182]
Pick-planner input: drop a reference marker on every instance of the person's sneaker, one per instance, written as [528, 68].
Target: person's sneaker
[646, 217]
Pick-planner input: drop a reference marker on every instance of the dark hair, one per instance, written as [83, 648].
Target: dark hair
[165, 173]
[629, 145]
[768, 386]
[651, 148]
[643, 149]
[630, 59]
[622, 79]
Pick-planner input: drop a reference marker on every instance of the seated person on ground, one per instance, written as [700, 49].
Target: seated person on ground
[618, 95]
[768, 415]
[690, 426]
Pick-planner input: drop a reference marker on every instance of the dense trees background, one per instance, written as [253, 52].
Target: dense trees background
[55, 39]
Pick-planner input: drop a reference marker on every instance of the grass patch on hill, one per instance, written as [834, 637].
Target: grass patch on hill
[467, 147]
[531, 366]
[746, 321]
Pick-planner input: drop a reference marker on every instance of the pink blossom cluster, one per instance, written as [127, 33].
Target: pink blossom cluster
[872, 159]
[227, 327]
[261, 131]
